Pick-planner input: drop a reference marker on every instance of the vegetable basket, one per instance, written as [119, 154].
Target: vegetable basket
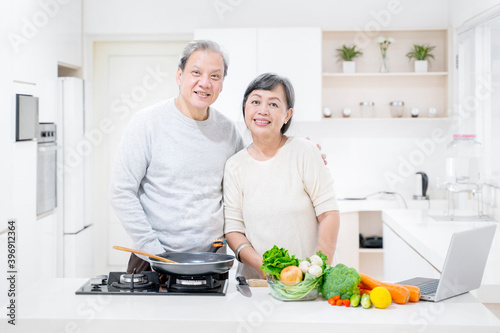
[307, 290]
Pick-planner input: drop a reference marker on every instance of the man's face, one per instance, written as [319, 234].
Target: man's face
[201, 81]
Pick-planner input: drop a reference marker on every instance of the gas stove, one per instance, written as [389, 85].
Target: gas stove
[147, 283]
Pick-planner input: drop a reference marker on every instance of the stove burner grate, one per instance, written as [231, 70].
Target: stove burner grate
[193, 283]
[133, 281]
[128, 285]
[137, 278]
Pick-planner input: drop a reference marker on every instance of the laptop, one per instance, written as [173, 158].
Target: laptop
[463, 267]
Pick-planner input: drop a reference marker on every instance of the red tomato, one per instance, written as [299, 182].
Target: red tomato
[331, 301]
[336, 298]
[347, 303]
[339, 302]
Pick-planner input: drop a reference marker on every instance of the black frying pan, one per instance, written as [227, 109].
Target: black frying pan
[194, 263]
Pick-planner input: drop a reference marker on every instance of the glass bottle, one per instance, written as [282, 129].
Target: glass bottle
[397, 108]
[367, 109]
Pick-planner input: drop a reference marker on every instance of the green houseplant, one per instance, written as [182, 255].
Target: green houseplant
[347, 54]
[421, 54]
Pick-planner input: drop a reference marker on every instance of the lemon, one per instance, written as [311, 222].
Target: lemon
[380, 297]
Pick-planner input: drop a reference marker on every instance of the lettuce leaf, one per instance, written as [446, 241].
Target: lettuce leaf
[275, 259]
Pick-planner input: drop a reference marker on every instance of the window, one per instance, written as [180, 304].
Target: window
[494, 123]
[478, 91]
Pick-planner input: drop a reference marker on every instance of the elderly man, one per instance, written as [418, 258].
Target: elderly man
[166, 186]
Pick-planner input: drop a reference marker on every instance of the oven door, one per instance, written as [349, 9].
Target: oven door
[46, 190]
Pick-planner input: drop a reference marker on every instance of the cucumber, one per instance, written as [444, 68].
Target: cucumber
[365, 301]
[355, 300]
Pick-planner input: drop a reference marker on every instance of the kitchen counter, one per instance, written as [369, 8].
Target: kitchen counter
[52, 306]
[430, 238]
[391, 202]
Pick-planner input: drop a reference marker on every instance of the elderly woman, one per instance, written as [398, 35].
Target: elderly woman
[278, 190]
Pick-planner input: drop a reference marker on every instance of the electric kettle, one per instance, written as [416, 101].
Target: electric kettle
[421, 184]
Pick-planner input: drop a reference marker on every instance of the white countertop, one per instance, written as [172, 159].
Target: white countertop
[52, 306]
[431, 238]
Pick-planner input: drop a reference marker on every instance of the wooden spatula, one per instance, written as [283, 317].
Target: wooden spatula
[144, 254]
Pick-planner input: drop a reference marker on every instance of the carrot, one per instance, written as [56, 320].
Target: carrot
[399, 294]
[361, 285]
[364, 291]
[414, 293]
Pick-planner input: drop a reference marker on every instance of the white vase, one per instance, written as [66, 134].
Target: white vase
[384, 67]
[349, 67]
[420, 66]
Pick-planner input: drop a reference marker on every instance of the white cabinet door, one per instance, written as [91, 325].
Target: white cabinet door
[296, 54]
[78, 254]
[347, 251]
[240, 45]
[70, 34]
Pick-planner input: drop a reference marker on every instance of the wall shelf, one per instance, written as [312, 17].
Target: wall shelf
[366, 250]
[420, 119]
[422, 90]
[409, 74]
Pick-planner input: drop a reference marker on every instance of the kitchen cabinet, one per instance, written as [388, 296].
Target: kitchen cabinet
[369, 261]
[291, 52]
[420, 90]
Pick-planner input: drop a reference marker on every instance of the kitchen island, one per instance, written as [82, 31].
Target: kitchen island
[52, 306]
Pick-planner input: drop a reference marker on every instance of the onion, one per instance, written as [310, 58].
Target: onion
[316, 260]
[291, 275]
[315, 270]
[304, 266]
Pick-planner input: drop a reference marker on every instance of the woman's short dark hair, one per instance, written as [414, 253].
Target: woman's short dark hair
[268, 81]
[202, 45]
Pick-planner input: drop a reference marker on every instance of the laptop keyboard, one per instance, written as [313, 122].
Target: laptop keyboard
[429, 288]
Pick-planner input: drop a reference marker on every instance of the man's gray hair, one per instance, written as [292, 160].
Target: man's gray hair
[202, 45]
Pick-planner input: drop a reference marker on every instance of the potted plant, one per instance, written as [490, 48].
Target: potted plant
[347, 54]
[421, 54]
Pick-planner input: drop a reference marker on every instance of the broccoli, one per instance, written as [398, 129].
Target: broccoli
[340, 280]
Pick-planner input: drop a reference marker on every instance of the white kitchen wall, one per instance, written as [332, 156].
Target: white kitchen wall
[169, 16]
[366, 156]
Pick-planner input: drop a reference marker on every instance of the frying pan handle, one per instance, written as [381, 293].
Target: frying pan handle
[216, 245]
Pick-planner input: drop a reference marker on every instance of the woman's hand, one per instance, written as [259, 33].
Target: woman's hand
[247, 255]
[323, 156]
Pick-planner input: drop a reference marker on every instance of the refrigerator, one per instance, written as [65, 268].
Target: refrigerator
[74, 221]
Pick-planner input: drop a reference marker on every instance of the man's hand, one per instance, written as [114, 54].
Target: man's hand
[322, 155]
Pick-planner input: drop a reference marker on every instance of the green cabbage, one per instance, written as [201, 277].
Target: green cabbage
[275, 259]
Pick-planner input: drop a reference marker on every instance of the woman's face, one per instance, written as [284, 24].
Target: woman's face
[266, 111]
